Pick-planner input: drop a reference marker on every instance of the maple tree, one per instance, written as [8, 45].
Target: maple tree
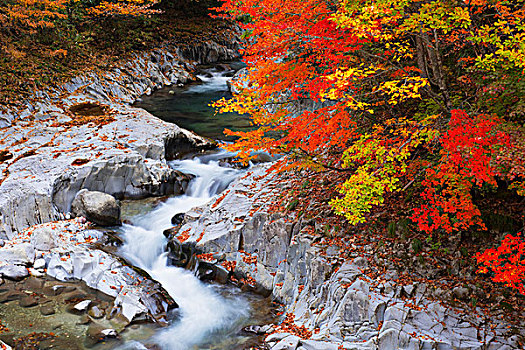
[391, 94]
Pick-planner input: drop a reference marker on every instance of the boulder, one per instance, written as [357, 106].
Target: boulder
[98, 207]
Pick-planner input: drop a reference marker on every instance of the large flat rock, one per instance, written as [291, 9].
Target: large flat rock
[70, 254]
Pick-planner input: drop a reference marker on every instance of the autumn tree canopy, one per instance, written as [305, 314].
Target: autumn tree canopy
[398, 96]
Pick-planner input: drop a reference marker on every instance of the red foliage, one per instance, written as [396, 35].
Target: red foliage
[468, 147]
[507, 262]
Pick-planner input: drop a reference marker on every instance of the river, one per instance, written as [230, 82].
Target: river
[210, 316]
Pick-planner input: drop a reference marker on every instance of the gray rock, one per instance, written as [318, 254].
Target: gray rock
[99, 208]
[39, 264]
[17, 254]
[14, 272]
[42, 238]
[47, 309]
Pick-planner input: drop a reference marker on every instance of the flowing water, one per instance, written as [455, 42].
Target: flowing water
[210, 316]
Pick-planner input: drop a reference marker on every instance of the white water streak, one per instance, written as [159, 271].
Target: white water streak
[202, 310]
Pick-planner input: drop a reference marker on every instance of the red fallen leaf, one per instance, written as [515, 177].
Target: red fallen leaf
[80, 161]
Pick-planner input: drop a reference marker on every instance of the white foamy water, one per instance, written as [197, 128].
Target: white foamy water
[203, 312]
[212, 80]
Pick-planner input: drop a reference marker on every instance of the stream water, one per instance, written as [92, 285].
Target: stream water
[189, 107]
[210, 316]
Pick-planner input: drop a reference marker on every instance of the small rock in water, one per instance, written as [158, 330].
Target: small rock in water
[109, 332]
[54, 290]
[97, 333]
[177, 219]
[82, 306]
[28, 301]
[33, 283]
[171, 92]
[47, 309]
[254, 329]
[96, 312]
[68, 289]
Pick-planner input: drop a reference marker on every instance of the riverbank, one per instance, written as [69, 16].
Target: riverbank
[333, 295]
[85, 135]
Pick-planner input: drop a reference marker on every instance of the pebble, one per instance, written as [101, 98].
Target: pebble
[82, 306]
[96, 312]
